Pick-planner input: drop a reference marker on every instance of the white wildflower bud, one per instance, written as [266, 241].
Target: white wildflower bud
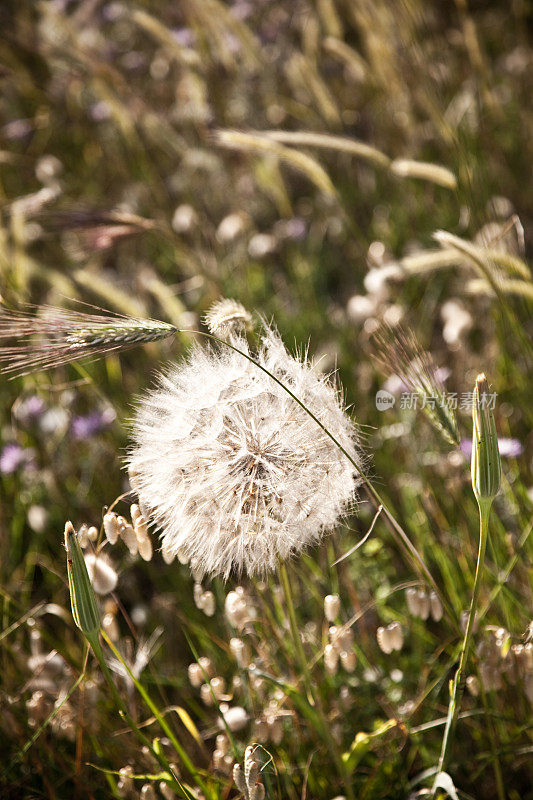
[127, 534]
[101, 573]
[126, 781]
[35, 641]
[332, 607]
[38, 518]
[331, 659]
[184, 218]
[228, 764]
[166, 791]
[218, 685]
[436, 606]
[138, 520]
[218, 402]
[231, 226]
[83, 539]
[395, 635]
[275, 729]
[207, 665]
[168, 555]
[257, 683]
[236, 609]
[257, 792]
[334, 634]
[110, 626]
[197, 593]
[236, 683]
[139, 615]
[423, 604]
[345, 698]
[218, 760]
[111, 528]
[238, 778]
[346, 638]
[182, 556]
[222, 743]
[348, 660]
[251, 766]
[207, 603]
[147, 792]
[196, 569]
[240, 651]
[145, 548]
[412, 601]
[48, 168]
[92, 533]
[196, 676]
[260, 731]
[384, 640]
[206, 695]
[235, 717]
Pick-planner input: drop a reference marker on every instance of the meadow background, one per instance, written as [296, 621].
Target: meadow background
[152, 160]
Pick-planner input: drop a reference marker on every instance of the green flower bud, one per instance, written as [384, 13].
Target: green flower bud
[82, 596]
[486, 469]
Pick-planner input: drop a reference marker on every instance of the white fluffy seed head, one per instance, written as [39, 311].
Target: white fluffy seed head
[232, 470]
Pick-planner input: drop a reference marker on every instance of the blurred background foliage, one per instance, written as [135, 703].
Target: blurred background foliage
[147, 165]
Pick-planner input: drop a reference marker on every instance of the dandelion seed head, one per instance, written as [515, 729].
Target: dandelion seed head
[232, 470]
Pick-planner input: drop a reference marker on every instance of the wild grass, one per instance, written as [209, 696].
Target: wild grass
[342, 168]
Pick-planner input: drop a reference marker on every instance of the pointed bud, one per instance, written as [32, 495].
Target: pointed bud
[485, 468]
[82, 596]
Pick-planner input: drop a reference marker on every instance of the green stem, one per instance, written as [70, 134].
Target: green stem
[311, 695]
[458, 682]
[159, 756]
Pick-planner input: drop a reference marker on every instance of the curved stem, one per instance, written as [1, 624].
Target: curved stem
[376, 497]
[458, 685]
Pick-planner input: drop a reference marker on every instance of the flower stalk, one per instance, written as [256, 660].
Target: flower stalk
[486, 479]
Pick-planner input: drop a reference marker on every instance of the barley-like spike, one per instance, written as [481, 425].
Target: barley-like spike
[48, 337]
[398, 350]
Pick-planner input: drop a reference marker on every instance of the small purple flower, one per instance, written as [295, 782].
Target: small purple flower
[12, 457]
[83, 427]
[28, 409]
[509, 448]
[185, 37]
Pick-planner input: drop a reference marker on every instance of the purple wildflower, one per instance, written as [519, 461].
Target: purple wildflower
[28, 409]
[12, 457]
[83, 427]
